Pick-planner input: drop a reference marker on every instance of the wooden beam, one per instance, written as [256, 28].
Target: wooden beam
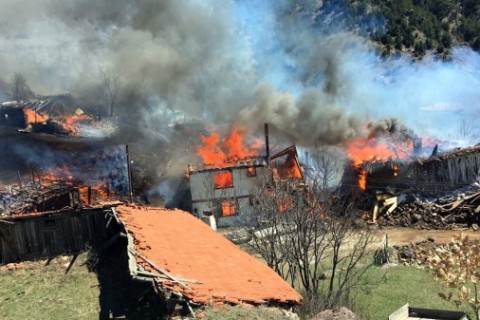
[70, 265]
[162, 271]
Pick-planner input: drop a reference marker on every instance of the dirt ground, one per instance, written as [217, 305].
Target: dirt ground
[398, 236]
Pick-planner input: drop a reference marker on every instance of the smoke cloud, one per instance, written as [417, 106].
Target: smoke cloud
[287, 63]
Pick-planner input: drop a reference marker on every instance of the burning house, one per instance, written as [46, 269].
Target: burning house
[225, 187]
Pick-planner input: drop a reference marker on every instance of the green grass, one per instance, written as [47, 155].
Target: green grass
[237, 312]
[37, 291]
[46, 292]
[404, 284]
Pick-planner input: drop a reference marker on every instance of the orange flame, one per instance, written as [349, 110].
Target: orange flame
[98, 191]
[395, 170]
[362, 179]
[223, 180]
[32, 116]
[226, 152]
[71, 123]
[294, 169]
[228, 208]
[361, 151]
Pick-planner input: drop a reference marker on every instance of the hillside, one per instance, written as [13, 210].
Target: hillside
[415, 25]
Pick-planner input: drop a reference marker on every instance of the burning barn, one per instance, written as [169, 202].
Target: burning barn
[440, 191]
[224, 189]
[54, 180]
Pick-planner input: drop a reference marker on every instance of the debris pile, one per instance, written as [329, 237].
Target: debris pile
[37, 198]
[415, 253]
[456, 210]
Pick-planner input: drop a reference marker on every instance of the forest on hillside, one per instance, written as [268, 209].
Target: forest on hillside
[414, 25]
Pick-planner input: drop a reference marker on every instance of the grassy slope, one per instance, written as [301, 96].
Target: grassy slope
[404, 285]
[46, 292]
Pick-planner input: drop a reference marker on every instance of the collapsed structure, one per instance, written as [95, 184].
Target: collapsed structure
[441, 191]
[43, 116]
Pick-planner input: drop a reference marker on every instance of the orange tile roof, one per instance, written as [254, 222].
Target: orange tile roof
[216, 270]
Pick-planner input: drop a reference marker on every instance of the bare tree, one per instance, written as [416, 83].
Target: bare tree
[19, 88]
[110, 85]
[467, 131]
[271, 221]
[456, 266]
[347, 269]
[324, 166]
[303, 237]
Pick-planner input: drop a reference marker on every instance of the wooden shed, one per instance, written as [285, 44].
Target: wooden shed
[43, 235]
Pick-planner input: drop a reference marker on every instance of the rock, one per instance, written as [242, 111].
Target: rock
[475, 227]
[341, 314]
[387, 266]
[406, 253]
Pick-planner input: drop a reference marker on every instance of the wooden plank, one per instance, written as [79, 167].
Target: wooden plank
[162, 271]
[400, 314]
[70, 265]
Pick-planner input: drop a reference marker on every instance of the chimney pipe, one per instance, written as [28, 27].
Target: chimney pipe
[267, 144]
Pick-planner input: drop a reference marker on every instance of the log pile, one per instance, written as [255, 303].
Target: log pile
[454, 211]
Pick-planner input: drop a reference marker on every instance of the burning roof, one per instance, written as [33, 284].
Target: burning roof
[204, 267]
[46, 116]
[236, 151]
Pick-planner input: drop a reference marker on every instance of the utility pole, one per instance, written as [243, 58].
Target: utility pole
[129, 169]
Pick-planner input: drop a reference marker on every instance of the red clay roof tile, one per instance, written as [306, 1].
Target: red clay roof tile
[215, 270]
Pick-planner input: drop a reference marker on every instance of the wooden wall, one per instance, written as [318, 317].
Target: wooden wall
[446, 174]
[45, 236]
